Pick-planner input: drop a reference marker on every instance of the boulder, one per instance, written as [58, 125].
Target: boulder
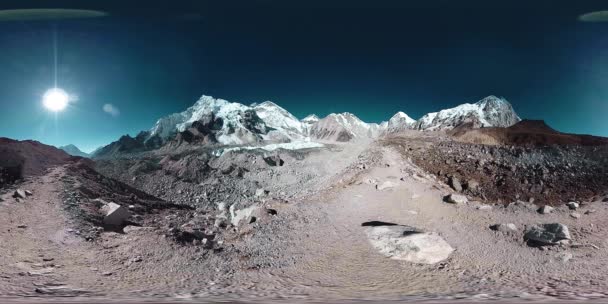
[472, 185]
[261, 192]
[510, 227]
[572, 205]
[385, 185]
[114, 214]
[547, 234]
[456, 199]
[545, 209]
[409, 244]
[575, 215]
[19, 193]
[455, 184]
[248, 214]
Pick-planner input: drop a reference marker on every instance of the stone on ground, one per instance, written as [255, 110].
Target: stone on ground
[455, 184]
[472, 185]
[547, 234]
[572, 205]
[456, 199]
[545, 209]
[236, 216]
[115, 214]
[261, 192]
[510, 227]
[19, 193]
[409, 244]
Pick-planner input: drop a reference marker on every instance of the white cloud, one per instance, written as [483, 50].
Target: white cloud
[111, 109]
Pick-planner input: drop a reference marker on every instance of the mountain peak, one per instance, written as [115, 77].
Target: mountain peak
[402, 116]
[492, 100]
[266, 103]
[491, 111]
[312, 118]
[400, 121]
[73, 150]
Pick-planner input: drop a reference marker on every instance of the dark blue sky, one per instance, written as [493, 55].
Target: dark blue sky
[372, 58]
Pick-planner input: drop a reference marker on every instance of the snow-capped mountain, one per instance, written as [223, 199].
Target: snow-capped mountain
[232, 123]
[310, 119]
[228, 123]
[488, 112]
[307, 123]
[342, 127]
[286, 126]
[217, 121]
[400, 121]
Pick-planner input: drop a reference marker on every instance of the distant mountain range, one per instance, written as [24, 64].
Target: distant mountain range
[74, 151]
[217, 121]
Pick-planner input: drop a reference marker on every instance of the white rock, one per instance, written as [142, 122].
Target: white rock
[510, 227]
[236, 216]
[546, 209]
[115, 214]
[456, 199]
[484, 207]
[132, 229]
[575, 215]
[405, 243]
[261, 192]
[19, 193]
[386, 185]
[572, 205]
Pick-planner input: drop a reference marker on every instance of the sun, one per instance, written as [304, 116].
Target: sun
[55, 99]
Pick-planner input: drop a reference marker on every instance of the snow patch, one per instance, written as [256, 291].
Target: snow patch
[296, 145]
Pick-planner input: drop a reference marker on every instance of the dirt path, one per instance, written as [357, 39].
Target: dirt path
[39, 252]
[334, 259]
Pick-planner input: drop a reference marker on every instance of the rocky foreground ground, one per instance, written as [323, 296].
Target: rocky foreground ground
[414, 216]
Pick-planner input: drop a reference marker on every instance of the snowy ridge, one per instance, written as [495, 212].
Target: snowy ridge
[488, 112]
[280, 119]
[297, 145]
[214, 120]
[343, 127]
[312, 118]
[400, 121]
[236, 123]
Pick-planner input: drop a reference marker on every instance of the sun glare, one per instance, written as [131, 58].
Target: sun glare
[55, 99]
